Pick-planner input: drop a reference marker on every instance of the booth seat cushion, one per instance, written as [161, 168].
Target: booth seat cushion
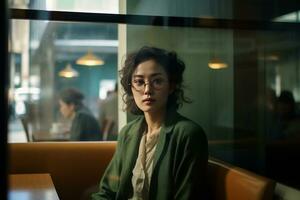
[76, 167]
[73, 166]
[233, 183]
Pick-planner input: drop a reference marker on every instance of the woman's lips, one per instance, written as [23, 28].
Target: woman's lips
[148, 101]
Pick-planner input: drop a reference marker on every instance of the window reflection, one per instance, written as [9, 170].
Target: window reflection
[93, 6]
[40, 53]
[290, 17]
[241, 107]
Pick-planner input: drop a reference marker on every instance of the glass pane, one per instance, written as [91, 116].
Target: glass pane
[211, 90]
[50, 57]
[92, 6]
[283, 11]
[244, 83]
[231, 9]
[243, 107]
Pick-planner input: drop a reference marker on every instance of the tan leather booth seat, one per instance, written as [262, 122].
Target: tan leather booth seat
[76, 167]
[233, 183]
[73, 166]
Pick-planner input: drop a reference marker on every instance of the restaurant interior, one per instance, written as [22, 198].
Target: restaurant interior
[242, 76]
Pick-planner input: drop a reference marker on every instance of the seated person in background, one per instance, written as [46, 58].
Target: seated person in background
[161, 154]
[108, 115]
[84, 126]
[289, 119]
[272, 121]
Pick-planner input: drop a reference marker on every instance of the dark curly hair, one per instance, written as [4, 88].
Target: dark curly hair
[173, 66]
[72, 96]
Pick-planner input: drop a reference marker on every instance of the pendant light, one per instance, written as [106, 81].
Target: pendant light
[68, 72]
[90, 59]
[216, 62]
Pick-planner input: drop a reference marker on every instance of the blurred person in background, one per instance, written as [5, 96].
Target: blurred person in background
[84, 125]
[108, 116]
[289, 118]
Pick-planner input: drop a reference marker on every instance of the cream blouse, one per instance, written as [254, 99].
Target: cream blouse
[141, 174]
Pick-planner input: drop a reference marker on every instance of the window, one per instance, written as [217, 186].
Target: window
[249, 107]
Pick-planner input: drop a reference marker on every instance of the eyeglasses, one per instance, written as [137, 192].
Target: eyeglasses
[139, 84]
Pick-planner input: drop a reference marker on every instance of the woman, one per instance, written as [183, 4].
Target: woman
[160, 155]
[84, 126]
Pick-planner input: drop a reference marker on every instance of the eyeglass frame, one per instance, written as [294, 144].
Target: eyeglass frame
[150, 83]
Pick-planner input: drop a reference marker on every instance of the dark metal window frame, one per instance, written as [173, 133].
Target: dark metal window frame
[232, 24]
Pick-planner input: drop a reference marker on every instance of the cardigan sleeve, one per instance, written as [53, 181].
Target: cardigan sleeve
[191, 165]
[109, 184]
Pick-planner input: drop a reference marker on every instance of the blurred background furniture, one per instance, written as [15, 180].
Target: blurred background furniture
[25, 125]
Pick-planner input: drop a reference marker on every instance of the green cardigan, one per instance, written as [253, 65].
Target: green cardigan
[180, 162]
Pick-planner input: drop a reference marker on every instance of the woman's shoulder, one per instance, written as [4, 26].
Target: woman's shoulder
[185, 127]
[134, 124]
[186, 123]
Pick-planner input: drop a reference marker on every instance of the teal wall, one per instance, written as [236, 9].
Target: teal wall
[88, 80]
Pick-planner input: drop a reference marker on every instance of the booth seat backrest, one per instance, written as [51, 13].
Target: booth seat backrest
[233, 183]
[76, 167]
[73, 166]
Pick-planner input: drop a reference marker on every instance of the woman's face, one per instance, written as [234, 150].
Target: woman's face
[150, 87]
[67, 110]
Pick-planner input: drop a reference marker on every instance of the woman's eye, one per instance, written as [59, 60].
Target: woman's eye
[158, 81]
[138, 82]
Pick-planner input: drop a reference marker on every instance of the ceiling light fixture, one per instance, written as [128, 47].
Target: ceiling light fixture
[68, 72]
[90, 59]
[216, 63]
